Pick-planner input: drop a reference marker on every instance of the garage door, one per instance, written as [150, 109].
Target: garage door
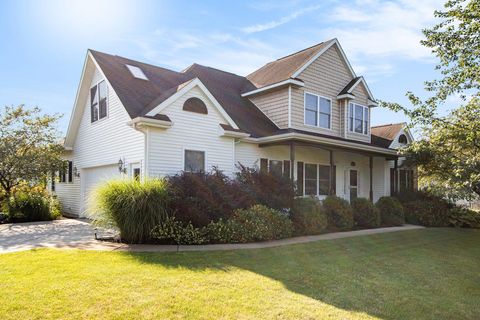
[92, 177]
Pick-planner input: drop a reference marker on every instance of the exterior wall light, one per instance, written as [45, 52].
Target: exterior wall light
[122, 165]
[76, 172]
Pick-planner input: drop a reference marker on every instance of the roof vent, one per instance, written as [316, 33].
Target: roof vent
[137, 72]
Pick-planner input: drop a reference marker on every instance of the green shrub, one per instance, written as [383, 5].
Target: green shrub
[32, 204]
[308, 216]
[174, 231]
[258, 223]
[365, 214]
[221, 231]
[427, 213]
[391, 211]
[464, 218]
[133, 207]
[339, 213]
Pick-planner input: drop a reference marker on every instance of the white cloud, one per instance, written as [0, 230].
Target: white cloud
[283, 20]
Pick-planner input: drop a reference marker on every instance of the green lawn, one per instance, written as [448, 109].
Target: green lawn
[418, 274]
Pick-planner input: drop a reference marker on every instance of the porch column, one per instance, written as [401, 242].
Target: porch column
[395, 176]
[332, 174]
[292, 159]
[371, 178]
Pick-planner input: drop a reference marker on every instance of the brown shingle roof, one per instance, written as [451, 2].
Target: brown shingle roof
[283, 68]
[140, 96]
[384, 134]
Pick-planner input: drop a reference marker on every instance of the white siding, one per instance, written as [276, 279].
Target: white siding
[100, 143]
[189, 131]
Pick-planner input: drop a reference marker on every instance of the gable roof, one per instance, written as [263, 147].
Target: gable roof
[140, 97]
[353, 84]
[384, 135]
[285, 67]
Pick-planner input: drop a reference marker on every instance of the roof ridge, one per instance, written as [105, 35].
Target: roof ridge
[297, 52]
[216, 69]
[388, 124]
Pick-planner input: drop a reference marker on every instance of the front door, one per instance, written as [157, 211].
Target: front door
[353, 184]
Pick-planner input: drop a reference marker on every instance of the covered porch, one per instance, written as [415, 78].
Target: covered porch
[321, 169]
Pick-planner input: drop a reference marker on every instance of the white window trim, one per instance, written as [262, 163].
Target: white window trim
[194, 149]
[90, 103]
[318, 110]
[318, 164]
[363, 119]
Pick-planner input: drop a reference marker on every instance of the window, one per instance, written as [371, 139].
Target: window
[66, 173]
[323, 180]
[195, 105]
[406, 180]
[353, 184]
[70, 171]
[311, 106]
[194, 161]
[310, 179]
[98, 101]
[276, 167]
[300, 178]
[358, 117]
[402, 139]
[137, 72]
[318, 111]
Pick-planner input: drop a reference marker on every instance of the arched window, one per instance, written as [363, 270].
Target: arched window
[195, 105]
[402, 139]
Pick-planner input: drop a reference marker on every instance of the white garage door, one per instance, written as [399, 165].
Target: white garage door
[92, 177]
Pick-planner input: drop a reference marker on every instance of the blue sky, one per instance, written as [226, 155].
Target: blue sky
[44, 42]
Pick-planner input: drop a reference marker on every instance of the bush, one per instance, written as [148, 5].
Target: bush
[173, 231]
[133, 207]
[32, 204]
[391, 211]
[365, 214]
[264, 188]
[427, 213]
[257, 223]
[339, 213]
[308, 216]
[203, 197]
[464, 218]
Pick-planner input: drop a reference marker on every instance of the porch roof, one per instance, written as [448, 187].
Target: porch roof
[327, 142]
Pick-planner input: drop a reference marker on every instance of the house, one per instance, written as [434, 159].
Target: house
[305, 116]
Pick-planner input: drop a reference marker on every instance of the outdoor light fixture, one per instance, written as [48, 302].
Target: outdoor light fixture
[122, 168]
[76, 172]
[353, 164]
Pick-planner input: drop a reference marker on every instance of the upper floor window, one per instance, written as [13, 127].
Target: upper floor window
[358, 118]
[402, 139]
[318, 111]
[98, 101]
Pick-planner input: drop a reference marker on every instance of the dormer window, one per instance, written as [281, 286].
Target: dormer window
[137, 72]
[318, 111]
[358, 118]
[98, 101]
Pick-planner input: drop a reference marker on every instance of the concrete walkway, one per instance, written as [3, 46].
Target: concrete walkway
[79, 234]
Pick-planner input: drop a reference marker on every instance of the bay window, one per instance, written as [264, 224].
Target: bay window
[318, 111]
[358, 116]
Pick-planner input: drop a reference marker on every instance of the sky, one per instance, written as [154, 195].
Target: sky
[44, 42]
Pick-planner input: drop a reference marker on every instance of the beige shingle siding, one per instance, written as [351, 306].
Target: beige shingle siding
[274, 105]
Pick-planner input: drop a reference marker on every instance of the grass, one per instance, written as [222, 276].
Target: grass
[418, 274]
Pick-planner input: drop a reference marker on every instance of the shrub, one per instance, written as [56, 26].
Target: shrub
[365, 213]
[221, 231]
[32, 204]
[339, 213]
[464, 218]
[427, 213]
[391, 211]
[264, 188]
[257, 223]
[203, 197]
[173, 231]
[308, 216]
[133, 207]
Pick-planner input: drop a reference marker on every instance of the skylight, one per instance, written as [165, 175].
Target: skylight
[137, 72]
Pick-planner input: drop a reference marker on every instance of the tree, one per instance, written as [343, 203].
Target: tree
[449, 152]
[29, 148]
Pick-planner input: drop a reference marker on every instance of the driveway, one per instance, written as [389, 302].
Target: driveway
[65, 233]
